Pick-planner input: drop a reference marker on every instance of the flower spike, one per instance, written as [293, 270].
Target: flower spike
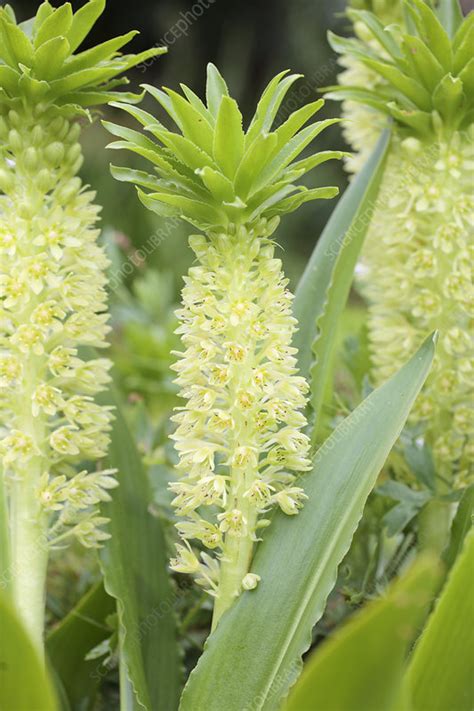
[239, 434]
[53, 299]
[416, 266]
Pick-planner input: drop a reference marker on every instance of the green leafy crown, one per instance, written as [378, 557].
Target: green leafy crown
[37, 60]
[212, 172]
[386, 10]
[427, 70]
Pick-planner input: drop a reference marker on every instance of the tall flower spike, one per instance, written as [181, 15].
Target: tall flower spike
[239, 435]
[52, 290]
[417, 262]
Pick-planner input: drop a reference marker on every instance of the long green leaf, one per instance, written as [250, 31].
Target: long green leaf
[462, 524]
[76, 635]
[254, 655]
[346, 227]
[440, 673]
[24, 682]
[134, 563]
[361, 666]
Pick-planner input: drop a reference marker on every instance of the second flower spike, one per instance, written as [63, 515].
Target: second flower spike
[240, 434]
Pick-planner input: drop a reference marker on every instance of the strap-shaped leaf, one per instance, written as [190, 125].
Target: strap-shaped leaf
[460, 527]
[24, 681]
[361, 665]
[440, 673]
[337, 293]
[346, 223]
[254, 654]
[134, 563]
[82, 629]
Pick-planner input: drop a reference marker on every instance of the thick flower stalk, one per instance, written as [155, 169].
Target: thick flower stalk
[240, 431]
[418, 257]
[53, 299]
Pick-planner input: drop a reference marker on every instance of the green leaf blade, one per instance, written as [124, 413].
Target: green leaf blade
[440, 673]
[134, 564]
[258, 643]
[361, 665]
[24, 682]
[350, 218]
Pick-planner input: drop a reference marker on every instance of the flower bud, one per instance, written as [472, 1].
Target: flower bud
[54, 153]
[14, 139]
[30, 159]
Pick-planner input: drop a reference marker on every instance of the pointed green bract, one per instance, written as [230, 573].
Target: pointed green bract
[239, 436]
[423, 69]
[44, 65]
[238, 176]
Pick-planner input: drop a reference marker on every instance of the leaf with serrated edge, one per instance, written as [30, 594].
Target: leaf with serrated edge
[258, 642]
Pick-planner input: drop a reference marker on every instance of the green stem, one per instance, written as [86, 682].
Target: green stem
[235, 563]
[29, 559]
[5, 553]
[433, 526]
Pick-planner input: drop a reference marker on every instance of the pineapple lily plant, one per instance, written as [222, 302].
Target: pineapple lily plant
[240, 435]
[52, 292]
[234, 525]
[416, 266]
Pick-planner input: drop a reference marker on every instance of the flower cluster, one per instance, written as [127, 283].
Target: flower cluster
[418, 277]
[417, 261]
[240, 432]
[239, 437]
[53, 300]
